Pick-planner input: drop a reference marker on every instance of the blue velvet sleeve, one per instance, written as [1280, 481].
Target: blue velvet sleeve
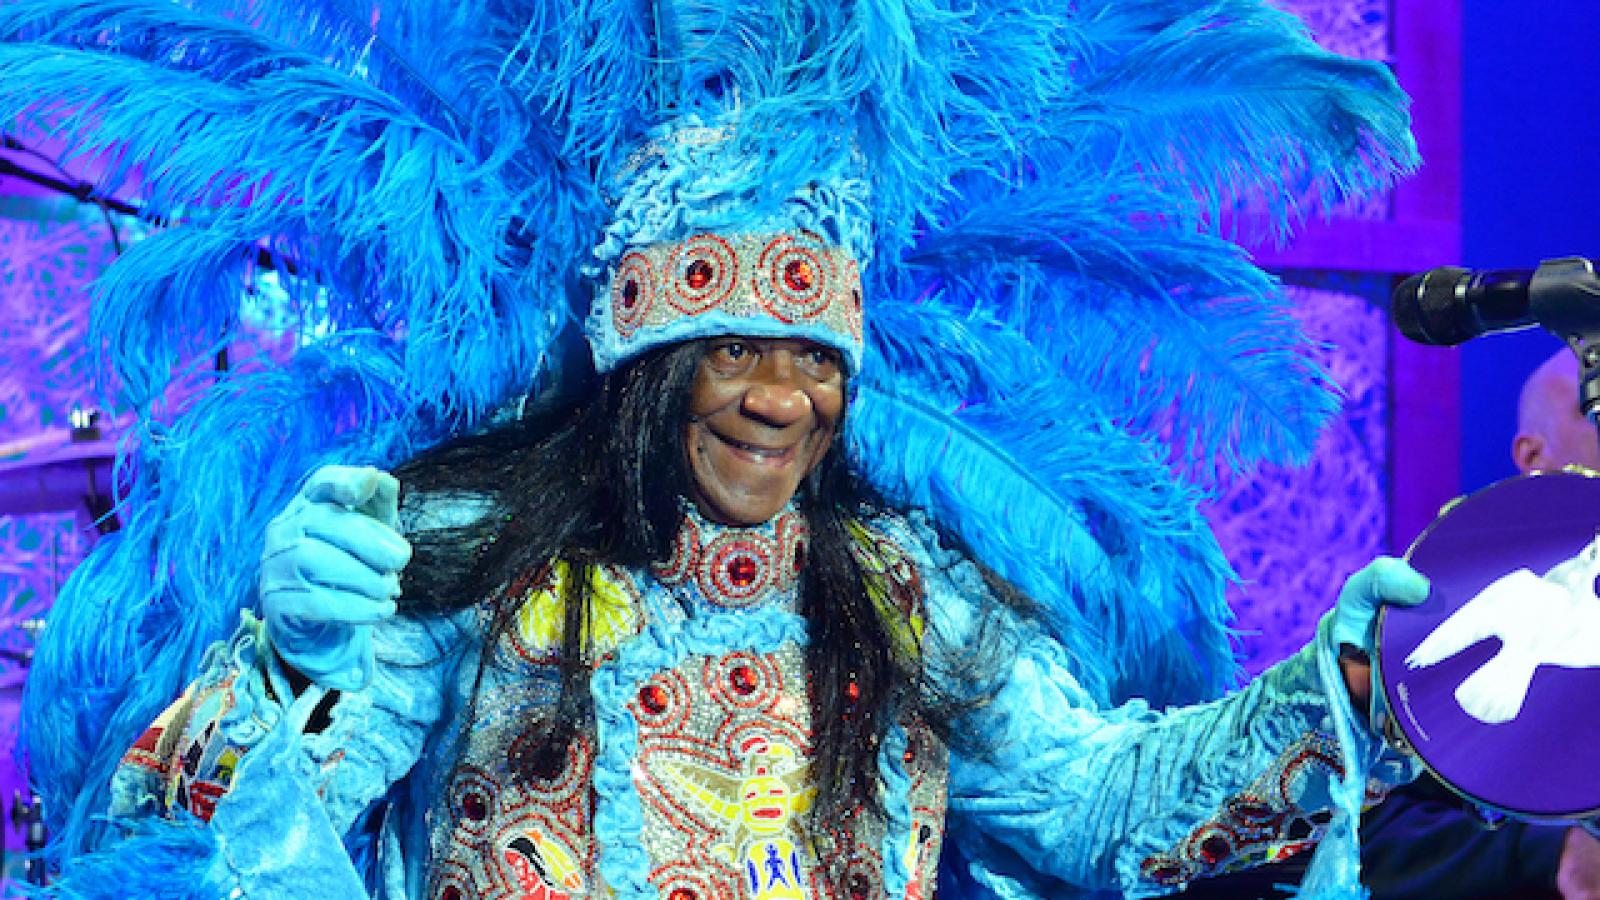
[1058, 797]
[283, 806]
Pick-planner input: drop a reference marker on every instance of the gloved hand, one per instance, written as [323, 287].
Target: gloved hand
[330, 568]
[1384, 580]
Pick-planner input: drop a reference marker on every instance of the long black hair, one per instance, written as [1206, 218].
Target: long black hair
[600, 481]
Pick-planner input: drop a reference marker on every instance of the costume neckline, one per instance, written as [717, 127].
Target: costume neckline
[737, 567]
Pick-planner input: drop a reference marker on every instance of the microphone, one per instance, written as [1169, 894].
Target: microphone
[1447, 306]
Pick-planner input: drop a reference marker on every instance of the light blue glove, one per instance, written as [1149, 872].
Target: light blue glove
[1384, 580]
[329, 570]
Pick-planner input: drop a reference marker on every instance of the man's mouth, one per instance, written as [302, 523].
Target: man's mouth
[758, 453]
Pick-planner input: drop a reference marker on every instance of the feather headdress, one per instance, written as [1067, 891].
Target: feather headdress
[1060, 347]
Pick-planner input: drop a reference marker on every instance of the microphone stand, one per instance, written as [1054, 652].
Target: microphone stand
[1564, 298]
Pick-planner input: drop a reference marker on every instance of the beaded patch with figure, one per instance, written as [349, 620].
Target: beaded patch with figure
[722, 772]
[1268, 821]
[183, 753]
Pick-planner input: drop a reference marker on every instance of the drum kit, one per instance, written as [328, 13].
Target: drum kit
[66, 471]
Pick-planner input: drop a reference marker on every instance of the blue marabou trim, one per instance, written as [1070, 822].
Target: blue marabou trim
[896, 783]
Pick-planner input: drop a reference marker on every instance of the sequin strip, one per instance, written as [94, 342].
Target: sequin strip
[790, 278]
[1261, 824]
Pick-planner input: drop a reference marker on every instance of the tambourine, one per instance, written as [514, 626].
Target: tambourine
[1494, 681]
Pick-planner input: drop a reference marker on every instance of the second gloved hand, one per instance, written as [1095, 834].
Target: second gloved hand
[330, 568]
[1384, 580]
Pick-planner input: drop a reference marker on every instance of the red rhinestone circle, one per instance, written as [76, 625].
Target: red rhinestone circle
[799, 275]
[742, 571]
[698, 274]
[1215, 849]
[474, 807]
[743, 679]
[630, 293]
[653, 697]
[451, 892]
[682, 894]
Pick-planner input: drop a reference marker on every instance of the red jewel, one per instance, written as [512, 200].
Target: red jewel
[742, 571]
[1166, 874]
[1214, 849]
[853, 691]
[799, 557]
[798, 275]
[743, 679]
[859, 887]
[682, 894]
[653, 697]
[474, 807]
[855, 299]
[698, 274]
[450, 893]
[630, 293]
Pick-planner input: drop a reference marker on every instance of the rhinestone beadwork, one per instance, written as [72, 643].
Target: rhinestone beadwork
[698, 275]
[799, 276]
[742, 571]
[743, 679]
[653, 697]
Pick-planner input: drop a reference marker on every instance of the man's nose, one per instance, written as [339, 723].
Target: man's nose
[777, 391]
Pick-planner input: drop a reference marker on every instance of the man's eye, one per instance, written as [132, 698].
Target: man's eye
[733, 350]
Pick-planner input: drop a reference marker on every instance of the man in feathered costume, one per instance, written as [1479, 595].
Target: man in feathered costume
[851, 552]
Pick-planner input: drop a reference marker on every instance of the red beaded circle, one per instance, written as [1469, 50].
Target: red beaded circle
[630, 293]
[683, 894]
[736, 570]
[471, 796]
[707, 271]
[792, 279]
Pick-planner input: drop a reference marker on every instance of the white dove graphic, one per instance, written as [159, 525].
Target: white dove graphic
[1549, 621]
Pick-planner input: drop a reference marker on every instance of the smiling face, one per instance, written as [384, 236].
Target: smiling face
[762, 415]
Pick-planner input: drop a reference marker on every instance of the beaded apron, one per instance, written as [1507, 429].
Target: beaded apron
[693, 784]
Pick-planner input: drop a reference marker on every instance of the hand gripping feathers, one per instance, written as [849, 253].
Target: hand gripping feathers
[1026, 191]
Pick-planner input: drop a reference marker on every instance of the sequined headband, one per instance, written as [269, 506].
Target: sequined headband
[757, 284]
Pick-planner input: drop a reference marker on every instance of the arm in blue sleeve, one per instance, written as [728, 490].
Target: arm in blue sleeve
[1144, 801]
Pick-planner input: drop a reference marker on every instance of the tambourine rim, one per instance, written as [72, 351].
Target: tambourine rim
[1388, 697]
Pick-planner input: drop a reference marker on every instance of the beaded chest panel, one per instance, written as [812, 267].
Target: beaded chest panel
[723, 752]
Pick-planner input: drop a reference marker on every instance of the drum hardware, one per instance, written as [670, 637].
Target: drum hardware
[28, 817]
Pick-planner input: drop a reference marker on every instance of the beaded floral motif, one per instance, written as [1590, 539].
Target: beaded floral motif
[794, 279]
[1261, 824]
[738, 568]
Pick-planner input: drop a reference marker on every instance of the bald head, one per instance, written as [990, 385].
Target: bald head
[1551, 431]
